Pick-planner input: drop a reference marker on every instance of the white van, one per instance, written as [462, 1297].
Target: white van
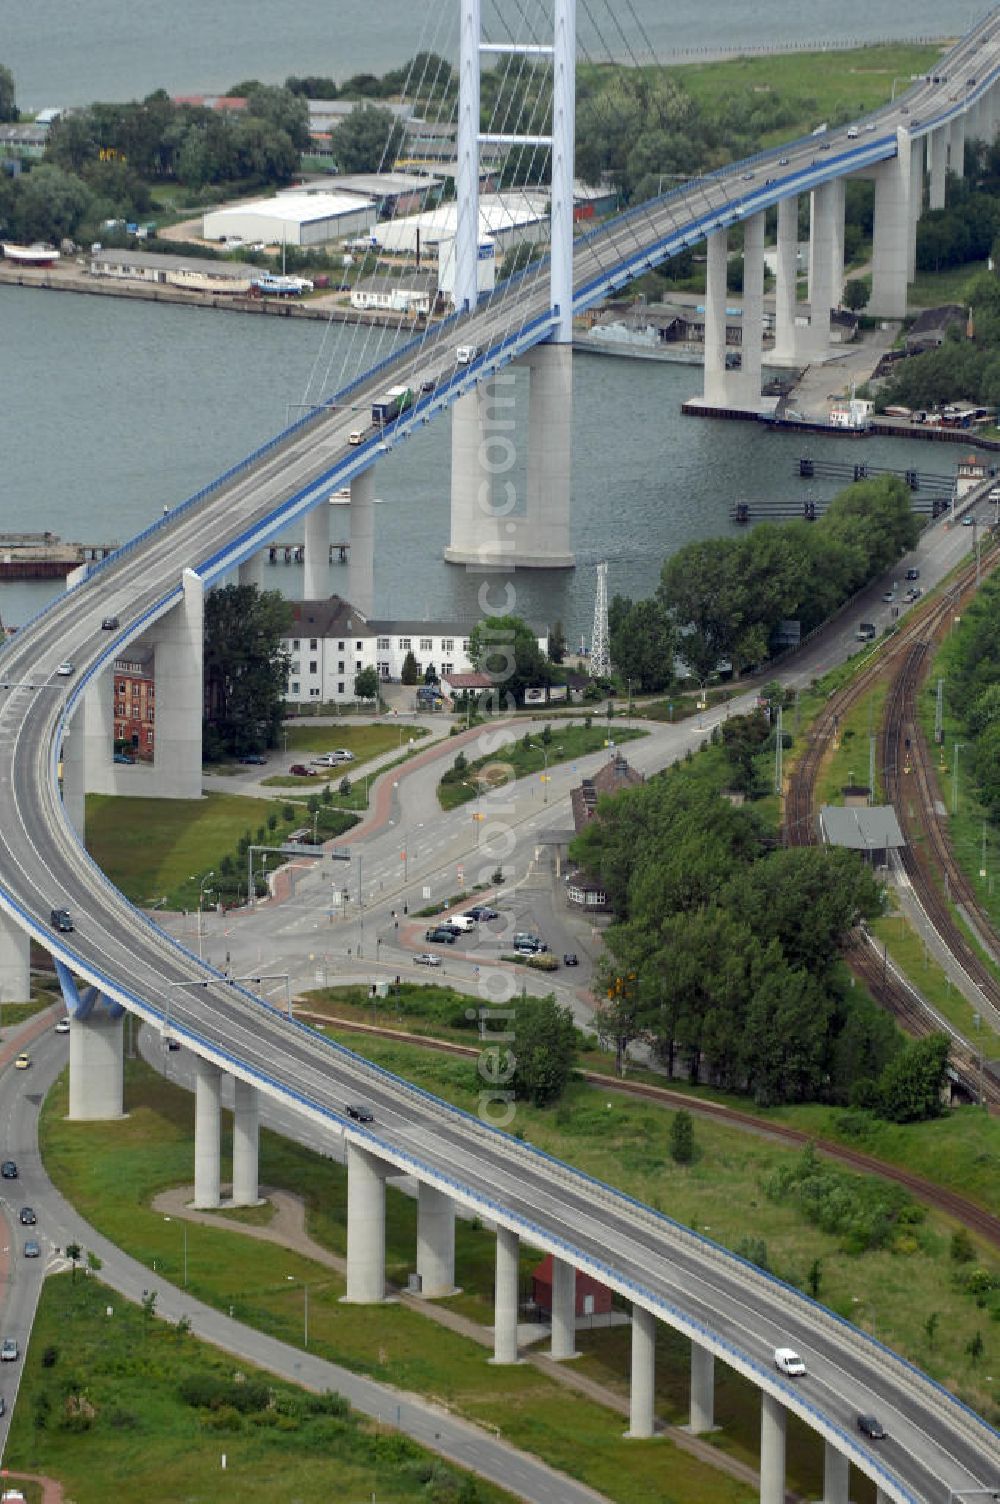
[357, 437]
[461, 922]
[466, 354]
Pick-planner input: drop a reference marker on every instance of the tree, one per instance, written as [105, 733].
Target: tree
[910, 1088]
[366, 684]
[367, 140]
[856, 294]
[49, 204]
[682, 1137]
[408, 673]
[246, 668]
[643, 646]
[8, 96]
[74, 1253]
[545, 1048]
[557, 643]
[506, 648]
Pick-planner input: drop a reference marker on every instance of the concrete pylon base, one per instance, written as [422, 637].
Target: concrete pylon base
[96, 1066]
[512, 557]
[366, 1175]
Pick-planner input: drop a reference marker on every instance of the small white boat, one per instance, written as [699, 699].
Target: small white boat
[30, 255]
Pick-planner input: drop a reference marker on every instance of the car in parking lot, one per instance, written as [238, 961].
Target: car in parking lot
[870, 1426]
[32, 1249]
[787, 1360]
[482, 913]
[253, 760]
[28, 1218]
[23, 1061]
[333, 759]
[8, 1170]
[524, 940]
[65, 669]
[912, 573]
[440, 935]
[62, 1027]
[425, 958]
[359, 1112]
[299, 770]
[9, 1350]
[121, 757]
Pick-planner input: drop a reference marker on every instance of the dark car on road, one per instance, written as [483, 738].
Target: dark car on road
[482, 913]
[569, 959]
[254, 760]
[32, 1249]
[913, 574]
[871, 1426]
[359, 1112]
[8, 1170]
[28, 1218]
[440, 935]
[110, 624]
[62, 920]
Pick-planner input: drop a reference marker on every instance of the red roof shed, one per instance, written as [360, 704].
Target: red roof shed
[592, 1298]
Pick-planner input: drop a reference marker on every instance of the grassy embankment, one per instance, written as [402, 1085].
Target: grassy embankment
[366, 742]
[517, 760]
[103, 1409]
[892, 1290]
[112, 1173]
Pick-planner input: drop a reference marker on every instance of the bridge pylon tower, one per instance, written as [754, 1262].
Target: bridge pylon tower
[488, 527]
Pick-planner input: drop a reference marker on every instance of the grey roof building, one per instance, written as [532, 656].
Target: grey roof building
[873, 830]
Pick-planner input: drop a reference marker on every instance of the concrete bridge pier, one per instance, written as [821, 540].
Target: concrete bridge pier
[716, 387]
[435, 1242]
[893, 221]
[773, 1421]
[246, 1137]
[702, 1417]
[361, 559]
[366, 1175]
[550, 457]
[642, 1393]
[251, 571]
[824, 278]
[207, 1121]
[96, 1056]
[838, 195]
[836, 1475]
[15, 962]
[956, 146]
[178, 645]
[73, 756]
[747, 385]
[100, 771]
[563, 1342]
[316, 580]
[785, 302]
[937, 166]
[505, 1300]
[489, 527]
[917, 159]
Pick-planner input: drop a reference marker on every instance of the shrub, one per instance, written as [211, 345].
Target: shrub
[962, 1250]
[682, 1137]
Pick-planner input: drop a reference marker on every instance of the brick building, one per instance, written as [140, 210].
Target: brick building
[135, 706]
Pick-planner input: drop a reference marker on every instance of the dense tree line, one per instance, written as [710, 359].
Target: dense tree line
[962, 367]
[972, 686]
[724, 953]
[246, 669]
[725, 596]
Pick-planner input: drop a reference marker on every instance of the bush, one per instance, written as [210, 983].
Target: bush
[863, 1213]
[682, 1137]
[962, 1250]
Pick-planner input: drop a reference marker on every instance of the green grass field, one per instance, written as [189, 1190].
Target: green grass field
[931, 289]
[516, 760]
[103, 1408]
[112, 1171]
[815, 86]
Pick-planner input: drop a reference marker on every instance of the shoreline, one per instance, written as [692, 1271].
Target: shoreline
[70, 279]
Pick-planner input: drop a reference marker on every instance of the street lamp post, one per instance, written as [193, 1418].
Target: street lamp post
[540, 747]
[201, 899]
[184, 1231]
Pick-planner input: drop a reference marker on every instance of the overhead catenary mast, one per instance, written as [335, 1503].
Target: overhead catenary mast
[600, 655]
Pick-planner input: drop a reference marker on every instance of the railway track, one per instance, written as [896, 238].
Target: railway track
[905, 756]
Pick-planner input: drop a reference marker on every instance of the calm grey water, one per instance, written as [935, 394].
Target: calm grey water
[119, 408]
[73, 51]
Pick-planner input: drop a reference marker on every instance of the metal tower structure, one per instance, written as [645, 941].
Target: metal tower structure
[600, 654]
[472, 50]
